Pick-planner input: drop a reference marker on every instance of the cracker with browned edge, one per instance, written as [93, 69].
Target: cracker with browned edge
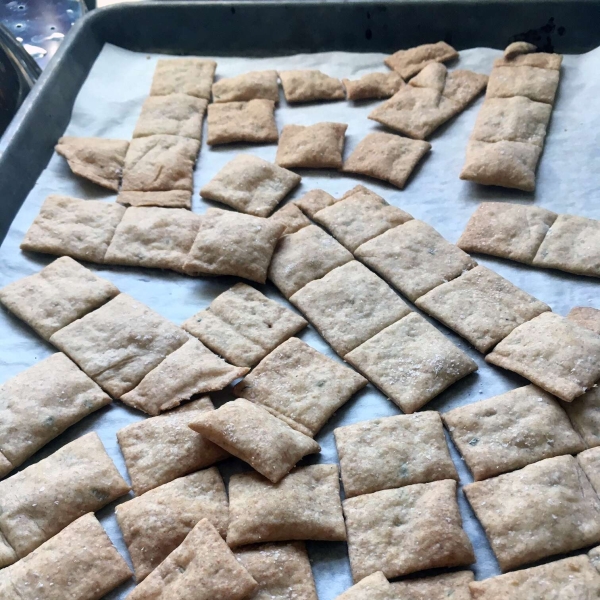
[247, 86]
[373, 587]
[190, 75]
[292, 217]
[373, 86]
[410, 62]
[310, 86]
[319, 146]
[313, 201]
[448, 585]
[236, 122]
[582, 315]
[584, 413]
[168, 199]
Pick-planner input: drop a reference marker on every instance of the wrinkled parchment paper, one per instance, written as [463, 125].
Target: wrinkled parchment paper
[108, 105]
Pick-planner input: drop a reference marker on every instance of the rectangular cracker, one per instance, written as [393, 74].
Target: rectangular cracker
[409, 62]
[393, 452]
[292, 217]
[535, 83]
[190, 75]
[237, 122]
[410, 529]
[79, 563]
[160, 449]
[39, 404]
[315, 200]
[510, 431]
[118, 344]
[585, 316]
[170, 199]
[414, 258]
[57, 295]
[544, 509]
[373, 86]
[40, 501]
[190, 370]
[154, 524]
[202, 567]
[254, 435]
[481, 306]
[305, 505]
[448, 585]
[411, 362]
[310, 86]
[584, 413]
[555, 353]
[68, 226]
[346, 297]
[373, 587]
[153, 237]
[589, 461]
[247, 86]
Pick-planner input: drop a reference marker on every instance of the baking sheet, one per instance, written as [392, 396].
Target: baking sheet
[108, 105]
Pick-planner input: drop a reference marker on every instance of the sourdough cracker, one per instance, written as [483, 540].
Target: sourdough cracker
[291, 217]
[235, 122]
[310, 86]
[584, 413]
[247, 86]
[315, 200]
[373, 86]
[373, 587]
[168, 199]
[535, 83]
[448, 585]
[409, 62]
[589, 461]
[582, 315]
[192, 76]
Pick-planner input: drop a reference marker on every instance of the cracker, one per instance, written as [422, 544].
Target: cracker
[68, 226]
[79, 563]
[448, 585]
[516, 48]
[202, 567]
[192, 76]
[43, 499]
[191, 369]
[584, 413]
[235, 122]
[512, 231]
[303, 257]
[393, 452]
[57, 295]
[387, 157]
[118, 344]
[39, 404]
[556, 354]
[582, 315]
[546, 508]
[313, 201]
[176, 114]
[247, 86]
[510, 431]
[254, 435]
[282, 571]
[410, 62]
[305, 505]
[169, 199]
[411, 362]
[292, 217]
[153, 237]
[310, 86]
[230, 243]
[405, 530]
[250, 185]
[373, 86]
[359, 218]
[572, 245]
[414, 258]
[589, 461]
[345, 297]
[159, 163]
[300, 385]
[481, 306]
[373, 587]
[534, 83]
[319, 146]
[521, 56]
[154, 524]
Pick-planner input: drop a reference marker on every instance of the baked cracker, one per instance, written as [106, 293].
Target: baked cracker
[190, 75]
[373, 587]
[582, 315]
[409, 62]
[315, 200]
[535, 83]
[440, 587]
[236, 122]
[169, 199]
[373, 86]
[247, 86]
[310, 86]
[584, 413]
[292, 217]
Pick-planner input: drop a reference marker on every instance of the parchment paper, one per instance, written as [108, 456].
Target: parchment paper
[108, 105]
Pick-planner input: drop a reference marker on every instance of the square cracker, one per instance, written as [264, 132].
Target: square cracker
[387, 157]
[202, 567]
[292, 217]
[190, 370]
[414, 258]
[373, 86]
[176, 114]
[192, 76]
[512, 231]
[481, 306]
[78, 563]
[304, 256]
[235, 122]
[373, 587]
[247, 86]
[68, 226]
[544, 509]
[556, 354]
[571, 578]
[158, 163]
[169, 199]
[448, 585]
[250, 185]
[59, 294]
[154, 524]
[410, 62]
[282, 571]
[534, 83]
[511, 431]
[349, 305]
[230, 243]
[300, 385]
[305, 505]
[589, 461]
[319, 146]
[582, 315]
[153, 237]
[359, 218]
[584, 413]
[310, 86]
[118, 344]
[160, 449]
[315, 200]
[572, 245]
[411, 362]
[393, 452]
[405, 530]
[41, 402]
[41, 500]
